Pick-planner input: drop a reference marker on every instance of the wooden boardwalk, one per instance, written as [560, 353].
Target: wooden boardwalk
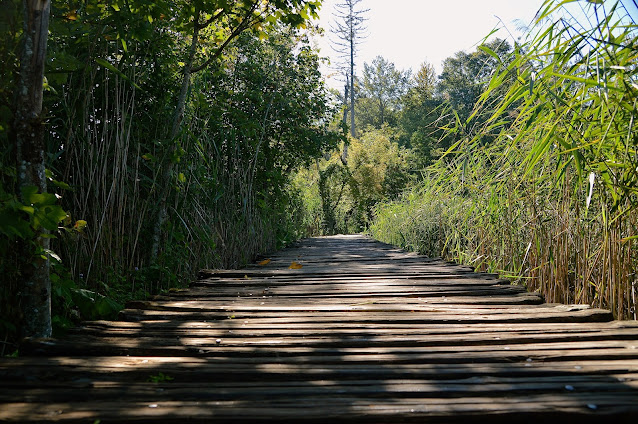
[362, 332]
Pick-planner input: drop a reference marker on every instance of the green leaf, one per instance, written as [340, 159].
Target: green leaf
[13, 225]
[489, 51]
[31, 196]
[116, 71]
[50, 217]
[61, 184]
[585, 81]
[28, 209]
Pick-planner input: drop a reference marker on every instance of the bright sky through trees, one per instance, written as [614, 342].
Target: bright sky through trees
[408, 32]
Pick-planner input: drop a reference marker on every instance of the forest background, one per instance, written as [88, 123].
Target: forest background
[518, 158]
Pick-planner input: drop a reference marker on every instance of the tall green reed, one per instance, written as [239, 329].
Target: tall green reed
[545, 191]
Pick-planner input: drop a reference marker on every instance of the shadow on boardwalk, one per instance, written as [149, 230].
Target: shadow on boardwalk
[362, 333]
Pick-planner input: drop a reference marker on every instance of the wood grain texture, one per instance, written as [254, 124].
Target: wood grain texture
[363, 332]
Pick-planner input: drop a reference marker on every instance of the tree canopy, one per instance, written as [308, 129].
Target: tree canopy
[382, 90]
[465, 76]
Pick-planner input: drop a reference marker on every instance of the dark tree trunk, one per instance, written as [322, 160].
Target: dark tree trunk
[30, 149]
[176, 125]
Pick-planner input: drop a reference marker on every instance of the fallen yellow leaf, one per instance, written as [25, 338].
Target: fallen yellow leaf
[295, 265]
[264, 262]
[71, 15]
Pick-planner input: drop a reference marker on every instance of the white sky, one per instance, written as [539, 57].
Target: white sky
[408, 32]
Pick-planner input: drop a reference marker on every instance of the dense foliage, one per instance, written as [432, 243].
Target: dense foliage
[340, 197]
[405, 122]
[542, 188]
[159, 112]
[381, 93]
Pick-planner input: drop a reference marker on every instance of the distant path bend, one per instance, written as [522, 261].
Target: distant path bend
[335, 329]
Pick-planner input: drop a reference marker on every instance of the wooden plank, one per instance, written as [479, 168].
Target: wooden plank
[356, 290]
[246, 336]
[380, 317]
[338, 409]
[343, 282]
[375, 342]
[337, 351]
[186, 391]
[426, 329]
[448, 334]
[285, 301]
[217, 291]
[206, 369]
[196, 305]
[351, 270]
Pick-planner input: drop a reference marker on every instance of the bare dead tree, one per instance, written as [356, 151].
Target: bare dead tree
[349, 29]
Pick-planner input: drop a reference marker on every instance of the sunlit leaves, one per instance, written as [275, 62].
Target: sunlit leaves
[71, 15]
[383, 86]
[79, 225]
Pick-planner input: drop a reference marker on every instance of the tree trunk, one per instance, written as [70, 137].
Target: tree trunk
[352, 130]
[189, 69]
[29, 132]
[345, 100]
[344, 154]
[177, 121]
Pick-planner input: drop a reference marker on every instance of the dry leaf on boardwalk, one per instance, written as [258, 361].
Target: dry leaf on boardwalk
[295, 265]
[264, 262]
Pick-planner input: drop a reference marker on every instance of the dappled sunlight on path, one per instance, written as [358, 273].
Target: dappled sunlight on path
[361, 332]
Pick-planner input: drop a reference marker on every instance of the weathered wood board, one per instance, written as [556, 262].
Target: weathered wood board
[362, 333]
